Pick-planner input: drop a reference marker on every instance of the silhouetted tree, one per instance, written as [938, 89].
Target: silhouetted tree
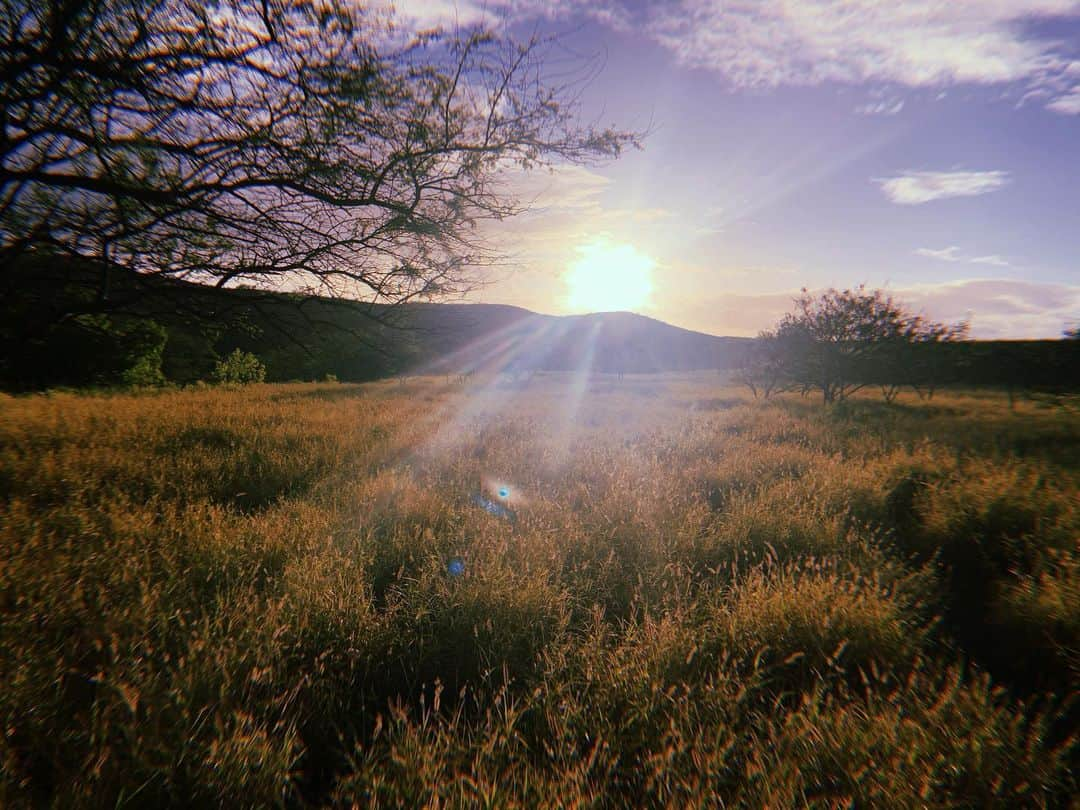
[839, 341]
[279, 143]
[762, 366]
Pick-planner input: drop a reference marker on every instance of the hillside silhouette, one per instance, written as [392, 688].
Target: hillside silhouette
[498, 338]
[56, 330]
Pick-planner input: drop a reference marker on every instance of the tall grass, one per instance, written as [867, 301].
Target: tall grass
[246, 598]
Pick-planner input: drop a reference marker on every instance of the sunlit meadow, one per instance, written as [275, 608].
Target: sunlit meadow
[561, 591]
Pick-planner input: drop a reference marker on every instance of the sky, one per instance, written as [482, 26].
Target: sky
[928, 148]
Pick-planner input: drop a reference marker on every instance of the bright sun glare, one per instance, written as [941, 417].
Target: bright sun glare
[607, 277]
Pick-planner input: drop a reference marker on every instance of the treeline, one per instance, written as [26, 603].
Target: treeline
[840, 342]
[55, 331]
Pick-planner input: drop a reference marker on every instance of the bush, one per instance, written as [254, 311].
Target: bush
[145, 372]
[240, 367]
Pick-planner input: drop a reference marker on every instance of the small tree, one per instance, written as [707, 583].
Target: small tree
[240, 367]
[762, 366]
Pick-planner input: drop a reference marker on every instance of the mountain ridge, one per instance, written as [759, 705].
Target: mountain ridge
[502, 337]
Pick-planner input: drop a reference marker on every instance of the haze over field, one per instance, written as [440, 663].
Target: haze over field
[933, 148]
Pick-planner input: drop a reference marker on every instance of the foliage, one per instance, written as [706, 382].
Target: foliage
[145, 370]
[275, 143]
[839, 341]
[91, 350]
[240, 367]
[242, 597]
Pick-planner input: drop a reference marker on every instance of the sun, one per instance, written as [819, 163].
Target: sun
[607, 277]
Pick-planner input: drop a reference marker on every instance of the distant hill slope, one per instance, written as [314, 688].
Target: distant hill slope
[491, 337]
[52, 333]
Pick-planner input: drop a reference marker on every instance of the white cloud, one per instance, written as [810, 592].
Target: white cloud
[952, 254]
[1068, 104]
[914, 188]
[993, 259]
[438, 13]
[949, 254]
[998, 307]
[916, 43]
[755, 43]
[424, 14]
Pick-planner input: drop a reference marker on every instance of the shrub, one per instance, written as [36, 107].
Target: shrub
[240, 367]
[145, 372]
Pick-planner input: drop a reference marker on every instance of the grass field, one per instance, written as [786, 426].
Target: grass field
[648, 592]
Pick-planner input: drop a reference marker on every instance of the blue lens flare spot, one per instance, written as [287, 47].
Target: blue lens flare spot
[456, 567]
[492, 508]
[504, 492]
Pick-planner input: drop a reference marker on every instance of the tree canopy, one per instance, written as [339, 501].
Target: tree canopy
[276, 143]
[839, 341]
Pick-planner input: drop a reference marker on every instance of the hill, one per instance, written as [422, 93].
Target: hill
[490, 337]
[59, 329]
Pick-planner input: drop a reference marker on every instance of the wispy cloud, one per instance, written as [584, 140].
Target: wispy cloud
[769, 43]
[952, 254]
[1068, 104]
[949, 254]
[883, 107]
[994, 259]
[914, 188]
[917, 43]
[424, 14]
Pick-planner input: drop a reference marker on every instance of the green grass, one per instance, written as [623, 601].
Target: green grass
[242, 598]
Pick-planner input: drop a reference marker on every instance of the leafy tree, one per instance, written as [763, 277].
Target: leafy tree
[275, 143]
[240, 367]
[839, 341]
[145, 362]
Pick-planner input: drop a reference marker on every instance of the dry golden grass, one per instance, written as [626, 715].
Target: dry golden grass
[244, 598]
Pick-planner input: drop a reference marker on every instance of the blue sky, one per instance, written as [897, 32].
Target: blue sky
[931, 148]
